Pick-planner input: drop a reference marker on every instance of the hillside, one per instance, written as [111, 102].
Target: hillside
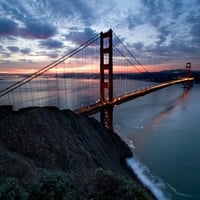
[38, 142]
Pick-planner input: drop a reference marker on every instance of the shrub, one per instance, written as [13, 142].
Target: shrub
[11, 190]
[109, 186]
[102, 185]
[55, 186]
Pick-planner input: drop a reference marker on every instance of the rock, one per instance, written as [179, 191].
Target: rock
[51, 139]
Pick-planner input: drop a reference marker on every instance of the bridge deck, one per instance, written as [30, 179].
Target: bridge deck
[94, 108]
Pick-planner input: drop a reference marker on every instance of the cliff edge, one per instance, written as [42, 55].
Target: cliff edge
[35, 141]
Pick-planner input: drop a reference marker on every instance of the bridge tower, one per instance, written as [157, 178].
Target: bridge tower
[187, 84]
[188, 69]
[106, 78]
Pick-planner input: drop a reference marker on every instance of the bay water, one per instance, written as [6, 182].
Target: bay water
[162, 128]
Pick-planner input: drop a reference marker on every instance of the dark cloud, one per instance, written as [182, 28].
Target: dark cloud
[32, 30]
[134, 21]
[196, 41]
[138, 45]
[53, 55]
[51, 44]
[175, 51]
[4, 53]
[177, 6]
[164, 32]
[38, 30]
[81, 37]
[195, 31]
[85, 11]
[25, 50]
[13, 48]
[7, 27]
[193, 18]
[153, 10]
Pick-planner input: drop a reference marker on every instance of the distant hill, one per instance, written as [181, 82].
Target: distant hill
[161, 76]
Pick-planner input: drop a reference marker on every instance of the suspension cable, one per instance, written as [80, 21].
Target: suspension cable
[48, 67]
[131, 53]
[126, 58]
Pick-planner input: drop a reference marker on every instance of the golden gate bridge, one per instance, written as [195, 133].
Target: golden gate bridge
[89, 79]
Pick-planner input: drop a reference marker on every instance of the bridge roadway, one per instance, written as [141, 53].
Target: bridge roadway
[94, 108]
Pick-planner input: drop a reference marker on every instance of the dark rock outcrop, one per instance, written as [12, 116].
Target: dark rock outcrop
[39, 142]
[36, 139]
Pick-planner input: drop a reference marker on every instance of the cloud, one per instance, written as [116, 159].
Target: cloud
[3, 53]
[163, 34]
[31, 30]
[160, 28]
[85, 11]
[177, 8]
[79, 38]
[157, 13]
[38, 30]
[51, 44]
[13, 48]
[53, 55]
[138, 45]
[25, 50]
[153, 10]
[7, 27]
[77, 12]
[195, 30]
[134, 21]
[177, 28]
[174, 51]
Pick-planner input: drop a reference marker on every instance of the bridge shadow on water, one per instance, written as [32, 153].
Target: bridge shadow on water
[145, 132]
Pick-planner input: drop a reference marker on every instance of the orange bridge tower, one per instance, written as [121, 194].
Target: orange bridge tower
[106, 78]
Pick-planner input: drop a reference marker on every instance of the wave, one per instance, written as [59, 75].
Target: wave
[148, 181]
[153, 183]
[182, 194]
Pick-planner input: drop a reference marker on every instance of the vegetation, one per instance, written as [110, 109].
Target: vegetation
[109, 186]
[102, 185]
[10, 189]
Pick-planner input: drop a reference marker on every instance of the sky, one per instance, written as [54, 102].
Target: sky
[162, 34]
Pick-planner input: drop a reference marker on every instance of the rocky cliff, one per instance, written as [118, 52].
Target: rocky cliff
[36, 140]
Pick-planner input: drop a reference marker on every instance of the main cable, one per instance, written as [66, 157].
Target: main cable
[48, 67]
[131, 53]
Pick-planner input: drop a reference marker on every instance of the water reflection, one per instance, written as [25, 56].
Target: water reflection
[142, 134]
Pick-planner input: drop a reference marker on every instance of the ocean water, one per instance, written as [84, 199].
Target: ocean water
[162, 129]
